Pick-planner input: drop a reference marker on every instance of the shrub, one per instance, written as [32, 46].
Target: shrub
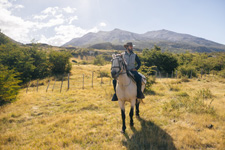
[187, 71]
[8, 85]
[99, 60]
[103, 74]
[195, 104]
[222, 73]
[59, 62]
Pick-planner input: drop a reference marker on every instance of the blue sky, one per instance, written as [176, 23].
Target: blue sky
[58, 21]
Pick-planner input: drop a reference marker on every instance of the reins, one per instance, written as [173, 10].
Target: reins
[121, 71]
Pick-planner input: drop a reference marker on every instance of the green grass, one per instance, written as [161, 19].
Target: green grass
[87, 119]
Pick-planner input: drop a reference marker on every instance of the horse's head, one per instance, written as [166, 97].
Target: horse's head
[118, 65]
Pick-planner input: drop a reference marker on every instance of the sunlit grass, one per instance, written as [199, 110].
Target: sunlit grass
[87, 119]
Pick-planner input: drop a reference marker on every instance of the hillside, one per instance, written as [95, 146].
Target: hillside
[172, 41]
[4, 39]
[86, 118]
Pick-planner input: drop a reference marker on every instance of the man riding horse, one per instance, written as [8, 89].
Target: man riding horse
[130, 58]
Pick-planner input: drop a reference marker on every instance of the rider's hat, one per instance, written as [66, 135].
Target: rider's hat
[128, 44]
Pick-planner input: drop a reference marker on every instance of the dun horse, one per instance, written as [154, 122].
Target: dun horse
[126, 89]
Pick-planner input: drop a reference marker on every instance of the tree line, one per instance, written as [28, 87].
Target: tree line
[184, 63]
[19, 65]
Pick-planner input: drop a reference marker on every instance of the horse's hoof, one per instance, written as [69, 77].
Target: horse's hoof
[123, 132]
[137, 115]
[131, 124]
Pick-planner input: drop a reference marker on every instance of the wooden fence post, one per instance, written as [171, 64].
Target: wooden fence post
[201, 72]
[37, 85]
[92, 78]
[48, 85]
[166, 75]
[68, 81]
[61, 85]
[101, 80]
[28, 86]
[53, 85]
[83, 81]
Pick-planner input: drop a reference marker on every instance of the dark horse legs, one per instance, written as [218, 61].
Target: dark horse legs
[137, 108]
[123, 120]
[131, 116]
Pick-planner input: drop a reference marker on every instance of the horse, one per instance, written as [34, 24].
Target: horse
[126, 88]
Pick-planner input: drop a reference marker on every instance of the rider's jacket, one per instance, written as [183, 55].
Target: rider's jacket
[130, 59]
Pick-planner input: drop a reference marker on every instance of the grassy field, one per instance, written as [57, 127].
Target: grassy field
[176, 114]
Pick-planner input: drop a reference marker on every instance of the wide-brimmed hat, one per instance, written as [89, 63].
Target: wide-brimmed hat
[128, 44]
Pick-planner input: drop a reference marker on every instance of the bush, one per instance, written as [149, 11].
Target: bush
[166, 62]
[222, 73]
[185, 71]
[99, 60]
[59, 62]
[103, 74]
[147, 72]
[195, 104]
[8, 85]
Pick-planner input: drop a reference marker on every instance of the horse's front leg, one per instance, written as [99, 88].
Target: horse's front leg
[132, 112]
[122, 107]
[137, 108]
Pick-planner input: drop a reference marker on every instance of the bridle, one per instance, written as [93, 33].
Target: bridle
[119, 66]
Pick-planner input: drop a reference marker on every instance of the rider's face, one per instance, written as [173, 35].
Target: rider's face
[130, 48]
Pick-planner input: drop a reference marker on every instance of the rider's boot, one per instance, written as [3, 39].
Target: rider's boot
[114, 98]
[140, 95]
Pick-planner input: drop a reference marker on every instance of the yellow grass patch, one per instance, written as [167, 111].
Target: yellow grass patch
[87, 119]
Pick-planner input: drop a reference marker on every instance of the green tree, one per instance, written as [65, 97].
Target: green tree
[99, 60]
[164, 61]
[59, 62]
[8, 85]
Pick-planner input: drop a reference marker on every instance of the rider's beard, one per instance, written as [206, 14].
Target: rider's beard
[130, 49]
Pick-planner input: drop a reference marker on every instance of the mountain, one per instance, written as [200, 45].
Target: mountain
[5, 39]
[167, 40]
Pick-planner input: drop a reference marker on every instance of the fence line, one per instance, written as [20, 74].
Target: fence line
[82, 81]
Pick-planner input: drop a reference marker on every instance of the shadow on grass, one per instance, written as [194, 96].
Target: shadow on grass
[150, 137]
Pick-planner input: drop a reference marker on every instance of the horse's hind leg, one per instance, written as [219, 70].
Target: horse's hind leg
[123, 115]
[137, 108]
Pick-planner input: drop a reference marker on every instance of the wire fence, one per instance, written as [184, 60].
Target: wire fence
[65, 83]
[89, 80]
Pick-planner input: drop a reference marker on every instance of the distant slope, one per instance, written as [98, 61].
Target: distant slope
[167, 40]
[5, 39]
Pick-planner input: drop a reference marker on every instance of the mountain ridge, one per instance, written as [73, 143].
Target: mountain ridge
[167, 40]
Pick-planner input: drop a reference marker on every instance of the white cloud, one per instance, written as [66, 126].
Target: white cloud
[14, 26]
[18, 6]
[71, 19]
[50, 23]
[65, 33]
[40, 17]
[102, 24]
[50, 10]
[53, 25]
[69, 10]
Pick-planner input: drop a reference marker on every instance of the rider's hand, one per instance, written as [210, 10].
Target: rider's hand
[134, 70]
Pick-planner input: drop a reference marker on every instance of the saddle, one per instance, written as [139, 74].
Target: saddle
[131, 76]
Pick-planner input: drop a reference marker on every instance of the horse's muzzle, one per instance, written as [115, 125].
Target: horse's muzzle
[114, 74]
